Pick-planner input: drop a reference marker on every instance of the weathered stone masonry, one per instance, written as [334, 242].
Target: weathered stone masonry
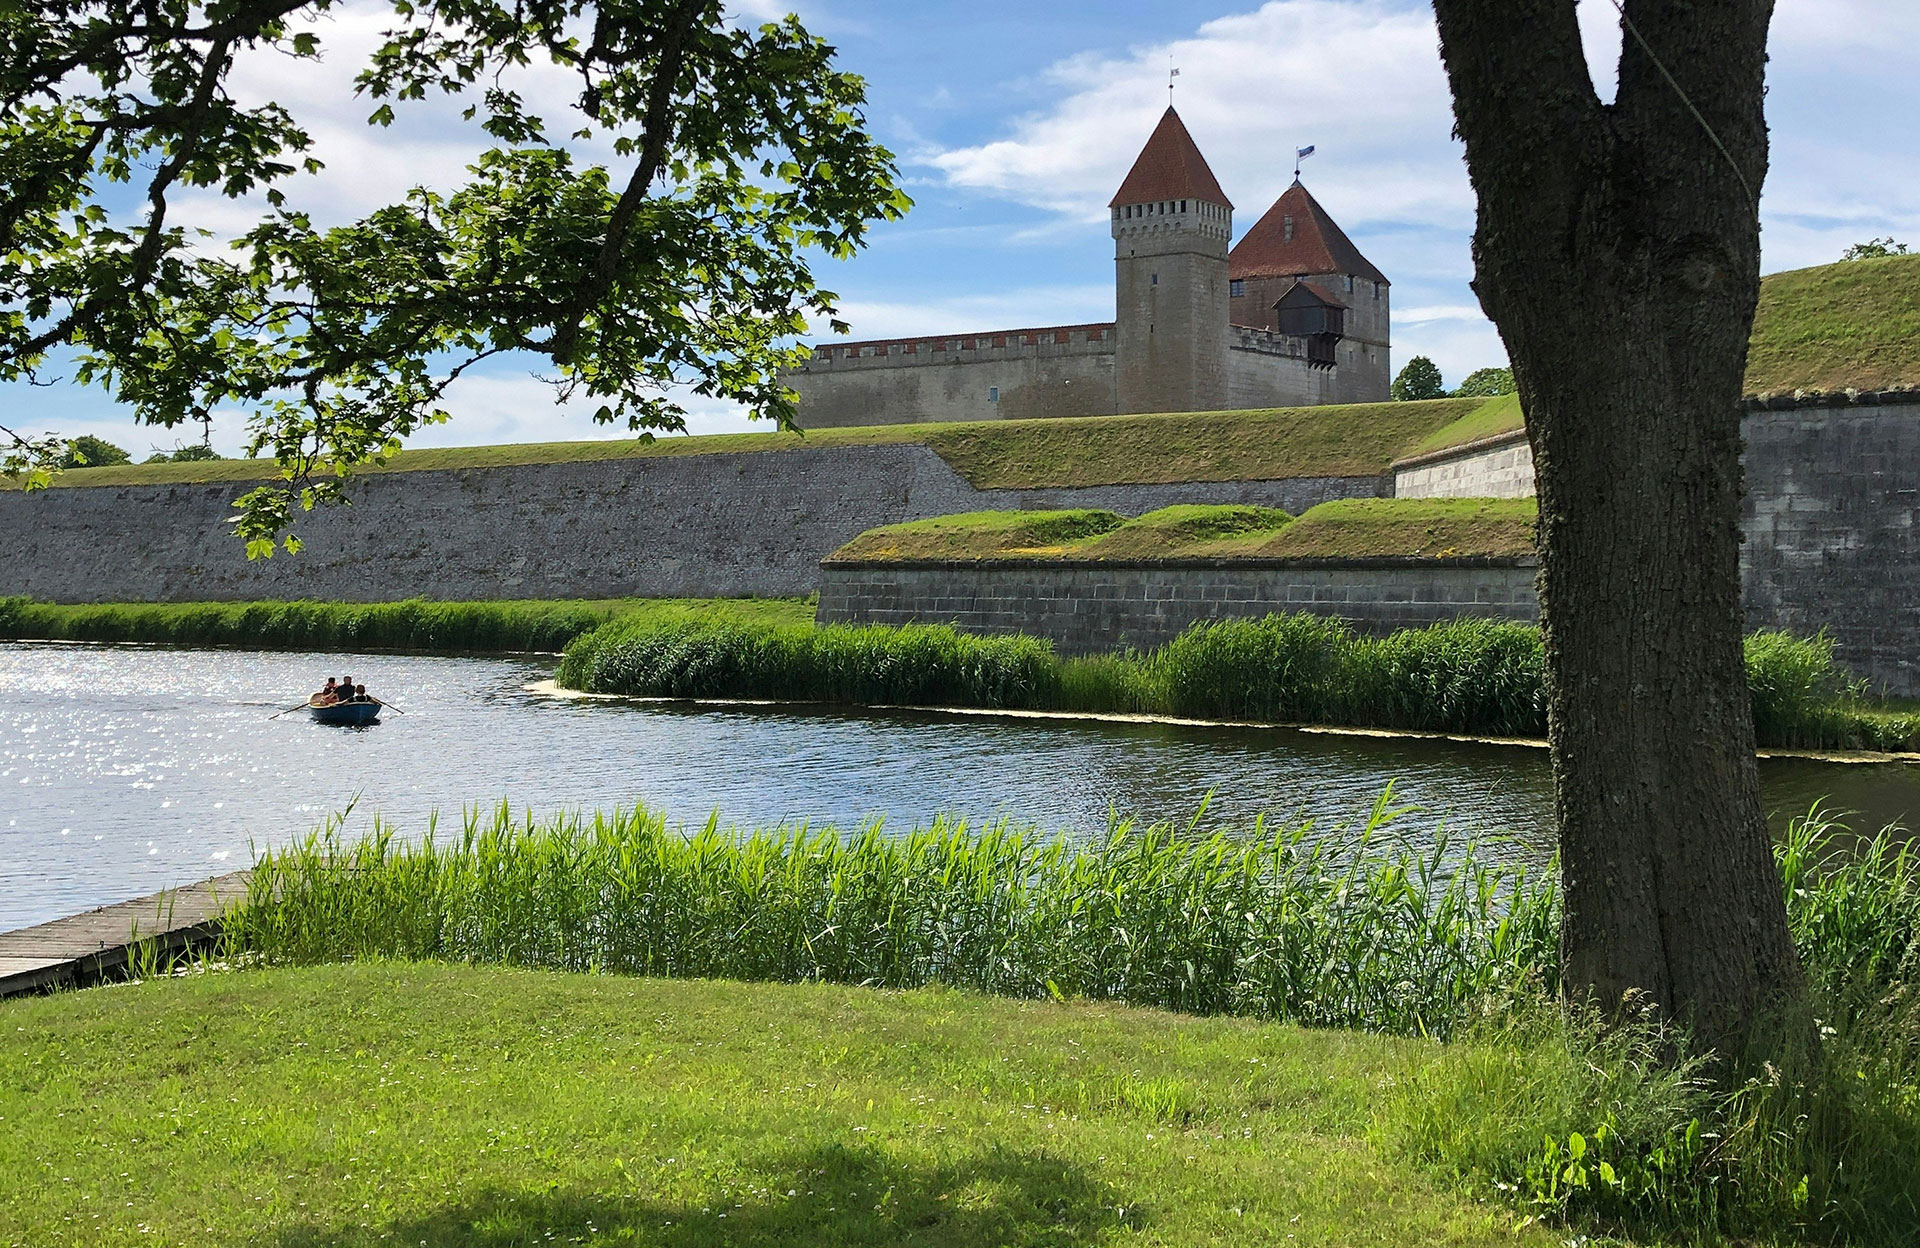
[1832, 519]
[695, 525]
[1092, 606]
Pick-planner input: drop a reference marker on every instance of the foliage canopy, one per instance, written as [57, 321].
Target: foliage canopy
[657, 237]
[1420, 379]
[1486, 383]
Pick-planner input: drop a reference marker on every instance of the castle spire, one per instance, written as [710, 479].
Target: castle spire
[1170, 166]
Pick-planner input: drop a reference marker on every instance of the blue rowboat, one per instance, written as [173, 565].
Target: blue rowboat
[350, 714]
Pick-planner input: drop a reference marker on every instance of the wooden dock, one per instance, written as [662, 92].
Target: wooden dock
[99, 944]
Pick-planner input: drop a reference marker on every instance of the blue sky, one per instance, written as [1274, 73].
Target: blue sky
[1013, 123]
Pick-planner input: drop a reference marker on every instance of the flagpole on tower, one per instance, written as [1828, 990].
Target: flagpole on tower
[1300, 154]
[1172, 73]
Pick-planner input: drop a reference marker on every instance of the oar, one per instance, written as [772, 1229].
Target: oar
[290, 710]
[390, 706]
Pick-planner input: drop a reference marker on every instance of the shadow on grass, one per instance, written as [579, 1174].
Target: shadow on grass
[840, 1195]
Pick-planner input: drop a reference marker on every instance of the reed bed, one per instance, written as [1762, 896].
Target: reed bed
[1469, 675]
[1348, 929]
[472, 627]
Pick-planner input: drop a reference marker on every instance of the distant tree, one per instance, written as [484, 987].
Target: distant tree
[1873, 249]
[191, 453]
[1420, 379]
[87, 451]
[679, 262]
[1485, 383]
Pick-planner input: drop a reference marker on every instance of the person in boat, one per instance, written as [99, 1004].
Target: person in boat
[360, 694]
[327, 692]
[346, 689]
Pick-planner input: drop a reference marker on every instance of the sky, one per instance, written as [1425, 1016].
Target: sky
[1013, 123]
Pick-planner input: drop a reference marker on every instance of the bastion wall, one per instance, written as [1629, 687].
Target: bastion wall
[1091, 606]
[717, 525]
[1832, 519]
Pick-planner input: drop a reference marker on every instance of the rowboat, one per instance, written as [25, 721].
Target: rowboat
[350, 714]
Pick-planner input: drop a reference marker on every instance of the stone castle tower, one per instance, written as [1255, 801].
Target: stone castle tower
[1290, 316]
[1171, 226]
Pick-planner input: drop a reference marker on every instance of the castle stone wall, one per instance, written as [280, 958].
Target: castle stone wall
[1017, 374]
[1500, 467]
[1832, 529]
[695, 525]
[1085, 608]
[1266, 369]
[1832, 520]
[1364, 373]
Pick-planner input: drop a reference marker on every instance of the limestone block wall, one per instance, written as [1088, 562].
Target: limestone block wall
[1266, 369]
[1065, 370]
[1832, 519]
[1090, 607]
[1498, 467]
[695, 525]
[1833, 528]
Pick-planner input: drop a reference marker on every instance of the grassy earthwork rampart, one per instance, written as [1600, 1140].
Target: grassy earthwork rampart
[1360, 440]
[1360, 528]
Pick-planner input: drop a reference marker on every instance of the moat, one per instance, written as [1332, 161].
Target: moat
[128, 769]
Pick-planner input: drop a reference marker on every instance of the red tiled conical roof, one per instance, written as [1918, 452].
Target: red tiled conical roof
[1170, 166]
[1317, 245]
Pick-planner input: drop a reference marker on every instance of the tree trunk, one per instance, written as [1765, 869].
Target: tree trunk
[1617, 249]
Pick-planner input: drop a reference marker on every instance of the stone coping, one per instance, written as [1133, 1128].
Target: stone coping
[1799, 399]
[1492, 442]
[1838, 398]
[1225, 563]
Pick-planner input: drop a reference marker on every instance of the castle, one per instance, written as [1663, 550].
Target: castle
[1292, 315]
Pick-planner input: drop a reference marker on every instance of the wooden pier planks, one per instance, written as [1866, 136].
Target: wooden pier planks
[86, 948]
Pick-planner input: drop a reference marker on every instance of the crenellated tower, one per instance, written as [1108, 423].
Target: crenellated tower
[1171, 228]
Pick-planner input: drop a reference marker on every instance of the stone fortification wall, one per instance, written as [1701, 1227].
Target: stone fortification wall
[1365, 370]
[1088, 607]
[1496, 467]
[1833, 528]
[1832, 519]
[694, 525]
[1269, 369]
[1015, 374]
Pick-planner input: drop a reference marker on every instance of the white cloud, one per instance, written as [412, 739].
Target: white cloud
[1362, 81]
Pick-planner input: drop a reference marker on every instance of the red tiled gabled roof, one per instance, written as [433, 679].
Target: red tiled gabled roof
[1317, 245]
[1170, 166]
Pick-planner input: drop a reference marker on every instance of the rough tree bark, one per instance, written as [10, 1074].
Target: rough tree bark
[1618, 252]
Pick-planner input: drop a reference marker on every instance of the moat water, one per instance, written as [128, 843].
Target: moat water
[124, 770]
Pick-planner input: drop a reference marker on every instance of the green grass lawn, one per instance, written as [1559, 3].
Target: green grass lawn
[1502, 415]
[1348, 528]
[425, 1104]
[1854, 324]
[1332, 441]
[1429, 528]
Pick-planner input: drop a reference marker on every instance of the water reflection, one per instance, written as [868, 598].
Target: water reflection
[125, 769]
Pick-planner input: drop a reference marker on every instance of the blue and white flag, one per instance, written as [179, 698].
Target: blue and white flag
[1304, 152]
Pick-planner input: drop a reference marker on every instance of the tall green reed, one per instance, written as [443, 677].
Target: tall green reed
[1351, 929]
[409, 625]
[1467, 675]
